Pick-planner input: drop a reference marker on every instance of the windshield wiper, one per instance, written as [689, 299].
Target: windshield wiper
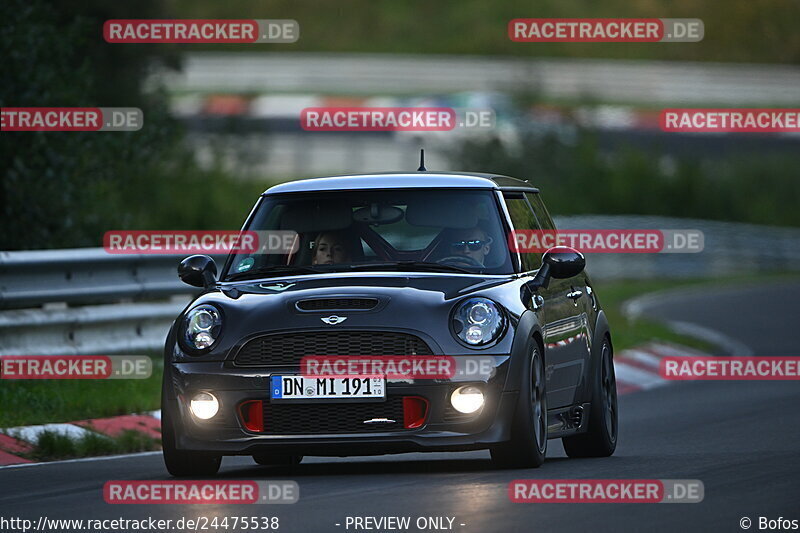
[273, 270]
[411, 265]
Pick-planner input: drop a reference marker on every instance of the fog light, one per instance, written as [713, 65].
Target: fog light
[204, 405]
[467, 399]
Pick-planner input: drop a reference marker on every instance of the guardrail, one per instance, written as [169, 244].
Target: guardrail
[87, 301]
[50, 301]
[730, 248]
[130, 328]
[604, 80]
[86, 276]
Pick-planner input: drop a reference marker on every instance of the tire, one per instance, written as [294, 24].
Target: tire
[268, 459]
[181, 463]
[528, 445]
[601, 438]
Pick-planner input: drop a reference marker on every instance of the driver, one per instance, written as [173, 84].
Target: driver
[331, 247]
[471, 242]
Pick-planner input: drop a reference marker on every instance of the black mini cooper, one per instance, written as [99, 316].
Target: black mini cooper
[395, 268]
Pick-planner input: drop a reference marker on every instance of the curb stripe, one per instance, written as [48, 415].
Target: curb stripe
[7, 459]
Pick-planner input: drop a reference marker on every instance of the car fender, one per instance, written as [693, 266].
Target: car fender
[169, 347]
[527, 327]
[601, 329]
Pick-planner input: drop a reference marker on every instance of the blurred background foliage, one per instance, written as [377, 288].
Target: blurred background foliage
[735, 30]
[62, 190]
[577, 177]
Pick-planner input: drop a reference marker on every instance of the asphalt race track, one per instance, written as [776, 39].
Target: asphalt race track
[742, 439]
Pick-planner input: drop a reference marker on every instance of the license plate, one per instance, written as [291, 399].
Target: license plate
[327, 388]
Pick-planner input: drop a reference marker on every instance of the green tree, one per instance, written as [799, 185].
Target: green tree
[65, 188]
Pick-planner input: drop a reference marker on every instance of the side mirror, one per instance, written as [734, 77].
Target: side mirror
[560, 262]
[198, 271]
[564, 262]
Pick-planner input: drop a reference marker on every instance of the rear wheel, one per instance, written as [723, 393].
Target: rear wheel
[601, 438]
[528, 445]
[182, 463]
[271, 459]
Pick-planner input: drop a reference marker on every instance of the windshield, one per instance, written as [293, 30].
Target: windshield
[404, 229]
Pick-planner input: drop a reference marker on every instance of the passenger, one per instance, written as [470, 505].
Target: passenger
[331, 247]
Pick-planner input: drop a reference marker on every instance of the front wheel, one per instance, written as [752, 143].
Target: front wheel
[181, 463]
[601, 438]
[528, 445]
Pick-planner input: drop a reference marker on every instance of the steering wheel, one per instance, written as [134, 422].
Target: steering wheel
[463, 259]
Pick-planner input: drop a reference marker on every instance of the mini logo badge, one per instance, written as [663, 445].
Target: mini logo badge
[333, 319]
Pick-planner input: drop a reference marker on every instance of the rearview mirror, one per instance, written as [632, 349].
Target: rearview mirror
[198, 271]
[378, 215]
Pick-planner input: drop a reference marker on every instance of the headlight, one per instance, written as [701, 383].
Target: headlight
[478, 321]
[201, 327]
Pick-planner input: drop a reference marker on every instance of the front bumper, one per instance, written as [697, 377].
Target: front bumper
[443, 430]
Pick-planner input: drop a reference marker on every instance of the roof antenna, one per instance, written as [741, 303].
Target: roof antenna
[422, 161]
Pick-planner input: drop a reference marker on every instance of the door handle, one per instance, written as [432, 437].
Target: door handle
[574, 295]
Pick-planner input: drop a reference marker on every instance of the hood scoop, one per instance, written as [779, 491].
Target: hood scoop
[336, 304]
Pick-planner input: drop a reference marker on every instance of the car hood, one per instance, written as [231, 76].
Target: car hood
[419, 303]
[449, 286]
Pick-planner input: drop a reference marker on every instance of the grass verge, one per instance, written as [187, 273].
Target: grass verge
[52, 446]
[29, 402]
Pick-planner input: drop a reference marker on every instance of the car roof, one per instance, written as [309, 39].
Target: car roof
[404, 180]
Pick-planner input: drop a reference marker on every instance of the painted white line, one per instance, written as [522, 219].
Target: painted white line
[731, 346]
[663, 349]
[640, 356]
[32, 433]
[635, 376]
[636, 307]
[82, 460]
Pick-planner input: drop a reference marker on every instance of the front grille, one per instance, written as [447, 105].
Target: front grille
[288, 349]
[318, 418]
[337, 304]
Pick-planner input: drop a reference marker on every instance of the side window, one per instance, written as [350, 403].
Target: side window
[541, 211]
[523, 219]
